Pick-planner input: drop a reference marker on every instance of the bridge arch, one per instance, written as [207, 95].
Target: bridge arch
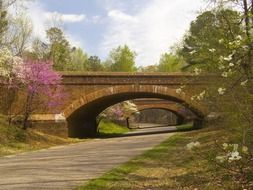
[175, 109]
[81, 114]
[180, 117]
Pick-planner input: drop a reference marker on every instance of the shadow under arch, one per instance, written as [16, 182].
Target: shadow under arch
[181, 118]
[81, 114]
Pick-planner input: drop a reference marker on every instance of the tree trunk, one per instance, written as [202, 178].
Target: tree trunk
[127, 122]
[28, 110]
[247, 66]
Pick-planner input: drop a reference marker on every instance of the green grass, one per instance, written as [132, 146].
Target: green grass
[15, 140]
[185, 127]
[109, 129]
[168, 166]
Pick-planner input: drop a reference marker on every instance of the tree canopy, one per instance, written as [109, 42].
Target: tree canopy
[60, 51]
[209, 30]
[122, 59]
[170, 63]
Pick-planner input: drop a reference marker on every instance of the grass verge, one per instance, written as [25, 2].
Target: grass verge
[168, 166]
[15, 140]
[185, 127]
[109, 129]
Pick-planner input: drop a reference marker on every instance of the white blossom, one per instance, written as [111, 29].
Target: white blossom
[221, 58]
[231, 64]
[245, 47]
[221, 67]
[221, 41]
[234, 156]
[221, 91]
[228, 58]
[224, 74]
[244, 83]
[192, 145]
[179, 91]
[245, 149]
[239, 37]
[212, 50]
[201, 95]
[225, 146]
[197, 71]
[193, 51]
[5, 62]
[193, 98]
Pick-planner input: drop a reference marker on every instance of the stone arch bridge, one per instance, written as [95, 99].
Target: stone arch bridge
[88, 94]
[183, 114]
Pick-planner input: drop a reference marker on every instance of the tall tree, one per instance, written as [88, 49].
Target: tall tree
[170, 63]
[203, 45]
[3, 21]
[122, 59]
[149, 68]
[60, 51]
[19, 34]
[78, 60]
[40, 82]
[94, 64]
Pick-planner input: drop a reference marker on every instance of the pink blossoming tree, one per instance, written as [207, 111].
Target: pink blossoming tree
[119, 112]
[41, 84]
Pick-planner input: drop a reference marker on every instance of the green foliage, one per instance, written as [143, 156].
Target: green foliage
[3, 21]
[203, 45]
[60, 51]
[170, 63]
[148, 69]
[19, 34]
[220, 42]
[78, 61]
[40, 50]
[94, 64]
[122, 59]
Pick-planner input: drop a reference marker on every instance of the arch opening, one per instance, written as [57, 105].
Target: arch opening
[82, 119]
[156, 117]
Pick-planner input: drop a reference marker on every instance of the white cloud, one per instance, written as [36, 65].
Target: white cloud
[66, 18]
[152, 30]
[75, 41]
[35, 13]
[41, 19]
[120, 16]
[95, 19]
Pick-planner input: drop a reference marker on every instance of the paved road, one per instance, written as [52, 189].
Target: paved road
[66, 167]
[152, 129]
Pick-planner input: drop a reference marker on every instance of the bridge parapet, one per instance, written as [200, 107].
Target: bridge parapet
[132, 78]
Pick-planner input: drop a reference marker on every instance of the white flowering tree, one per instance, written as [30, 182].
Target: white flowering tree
[8, 80]
[228, 54]
[119, 112]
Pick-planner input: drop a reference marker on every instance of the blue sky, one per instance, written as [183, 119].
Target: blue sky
[149, 27]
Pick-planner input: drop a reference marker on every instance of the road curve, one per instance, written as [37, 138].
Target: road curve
[66, 167]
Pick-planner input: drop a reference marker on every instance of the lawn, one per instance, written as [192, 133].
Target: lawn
[169, 166]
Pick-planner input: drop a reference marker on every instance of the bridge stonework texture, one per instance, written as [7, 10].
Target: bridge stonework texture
[183, 114]
[88, 94]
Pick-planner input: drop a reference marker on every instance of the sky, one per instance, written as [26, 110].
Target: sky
[148, 27]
